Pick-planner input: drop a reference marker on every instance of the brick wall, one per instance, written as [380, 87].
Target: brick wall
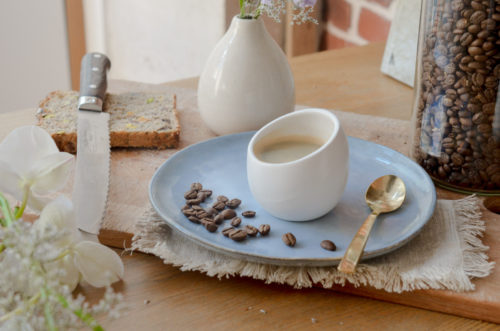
[356, 22]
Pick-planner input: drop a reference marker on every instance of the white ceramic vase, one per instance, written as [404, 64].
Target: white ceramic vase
[246, 82]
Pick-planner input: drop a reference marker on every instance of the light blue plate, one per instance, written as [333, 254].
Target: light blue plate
[220, 165]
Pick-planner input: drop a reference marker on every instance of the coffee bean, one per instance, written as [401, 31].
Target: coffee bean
[476, 5]
[493, 169]
[447, 102]
[488, 46]
[238, 235]
[467, 12]
[441, 172]
[193, 201]
[448, 143]
[233, 203]
[227, 231]
[219, 205]
[189, 212]
[462, 23]
[444, 158]
[194, 219]
[197, 208]
[477, 17]
[201, 214]
[264, 229]
[484, 128]
[207, 193]
[191, 194]
[211, 211]
[289, 239]
[236, 221]
[466, 122]
[251, 230]
[478, 118]
[489, 109]
[219, 219]
[211, 227]
[248, 214]
[222, 198]
[491, 82]
[228, 214]
[466, 39]
[206, 220]
[480, 58]
[474, 28]
[196, 186]
[328, 245]
[201, 196]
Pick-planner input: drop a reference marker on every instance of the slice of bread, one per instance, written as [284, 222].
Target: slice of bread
[136, 119]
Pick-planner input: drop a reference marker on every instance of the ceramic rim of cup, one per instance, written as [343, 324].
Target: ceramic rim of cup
[303, 112]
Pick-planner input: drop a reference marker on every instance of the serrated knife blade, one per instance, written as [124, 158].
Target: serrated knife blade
[90, 189]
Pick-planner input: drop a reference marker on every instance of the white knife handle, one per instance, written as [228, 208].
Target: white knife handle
[93, 81]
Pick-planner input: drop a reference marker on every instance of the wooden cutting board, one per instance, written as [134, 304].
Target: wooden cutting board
[131, 171]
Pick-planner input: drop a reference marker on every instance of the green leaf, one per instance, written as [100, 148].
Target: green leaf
[47, 311]
[6, 211]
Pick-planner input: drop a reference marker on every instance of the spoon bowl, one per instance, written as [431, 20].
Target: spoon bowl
[384, 195]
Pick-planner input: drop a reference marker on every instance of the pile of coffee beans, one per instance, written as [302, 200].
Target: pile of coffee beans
[223, 209]
[457, 136]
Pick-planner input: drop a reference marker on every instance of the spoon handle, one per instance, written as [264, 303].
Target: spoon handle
[357, 245]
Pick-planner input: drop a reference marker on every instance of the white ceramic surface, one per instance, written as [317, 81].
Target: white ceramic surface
[246, 82]
[307, 188]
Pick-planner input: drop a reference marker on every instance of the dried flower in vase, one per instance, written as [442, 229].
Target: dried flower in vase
[301, 9]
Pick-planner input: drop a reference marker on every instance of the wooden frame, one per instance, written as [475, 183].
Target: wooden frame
[303, 38]
[76, 39]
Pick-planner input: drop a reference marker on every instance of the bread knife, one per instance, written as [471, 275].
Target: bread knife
[90, 189]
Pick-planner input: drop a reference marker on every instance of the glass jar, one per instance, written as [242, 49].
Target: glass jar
[456, 112]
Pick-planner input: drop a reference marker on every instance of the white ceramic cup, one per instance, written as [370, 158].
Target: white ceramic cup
[308, 187]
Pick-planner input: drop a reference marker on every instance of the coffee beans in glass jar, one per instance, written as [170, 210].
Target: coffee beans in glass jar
[456, 115]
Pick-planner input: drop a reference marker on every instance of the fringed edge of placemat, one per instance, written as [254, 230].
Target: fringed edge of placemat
[471, 229]
[153, 233]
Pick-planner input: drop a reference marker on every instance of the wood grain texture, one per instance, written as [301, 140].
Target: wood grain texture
[192, 301]
[349, 80]
[76, 39]
[304, 38]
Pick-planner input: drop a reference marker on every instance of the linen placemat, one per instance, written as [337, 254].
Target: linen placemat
[446, 254]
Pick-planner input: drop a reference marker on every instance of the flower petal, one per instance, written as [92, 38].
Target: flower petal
[100, 266]
[50, 173]
[71, 276]
[60, 213]
[24, 145]
[36, 203]
[10, 181]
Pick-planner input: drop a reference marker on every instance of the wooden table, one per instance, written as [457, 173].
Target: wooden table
[162, 297]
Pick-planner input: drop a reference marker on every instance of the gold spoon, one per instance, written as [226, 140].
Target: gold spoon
[384, 195]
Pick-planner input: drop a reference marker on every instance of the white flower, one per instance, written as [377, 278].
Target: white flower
[30, 163]
[95, 263]
[99, 265]
[304, 3]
